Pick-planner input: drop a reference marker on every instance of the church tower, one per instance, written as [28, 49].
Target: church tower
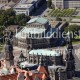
[9, 58]
[70, 61]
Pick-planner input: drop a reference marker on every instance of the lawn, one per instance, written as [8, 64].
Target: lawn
[77, 17]
[62, 12]
[77, 42]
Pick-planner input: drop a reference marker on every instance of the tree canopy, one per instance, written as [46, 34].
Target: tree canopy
[58, 19]
[9, 17]
[75, 31]
[72, 28]
[49, 3]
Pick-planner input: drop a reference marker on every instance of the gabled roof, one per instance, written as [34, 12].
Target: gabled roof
[9, 77]
[42, 69]
[44, 76]
[29, 75]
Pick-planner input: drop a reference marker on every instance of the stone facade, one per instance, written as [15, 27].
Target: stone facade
[59, 68]
[38, 40]
[33, 43]
[66, 4]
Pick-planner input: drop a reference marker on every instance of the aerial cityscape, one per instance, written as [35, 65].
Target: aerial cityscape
[39, 39]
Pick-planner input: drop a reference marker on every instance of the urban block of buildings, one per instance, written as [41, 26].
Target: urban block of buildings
[38, 33]
[66, 3]
[7, 4]
[7, 1]
[27, 6]
[38, 64]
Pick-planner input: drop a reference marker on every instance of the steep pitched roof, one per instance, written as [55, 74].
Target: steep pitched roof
[44, 76]
[42, 69]
[11, 77]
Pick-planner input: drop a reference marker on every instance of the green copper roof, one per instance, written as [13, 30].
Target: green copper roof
[40, 20]
[44, 52]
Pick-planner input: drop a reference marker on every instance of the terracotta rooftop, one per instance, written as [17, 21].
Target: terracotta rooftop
[29, 75]
[14, 73]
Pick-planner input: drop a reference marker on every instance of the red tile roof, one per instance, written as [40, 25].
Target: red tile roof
[29, 75]
[42, 69]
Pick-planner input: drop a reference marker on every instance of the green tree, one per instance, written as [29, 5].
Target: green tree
[22, 19]
[72, 28]
[9, 17]
[49, 3]
[58, 19]
[11, 20]
[1, 30]
[10, 12]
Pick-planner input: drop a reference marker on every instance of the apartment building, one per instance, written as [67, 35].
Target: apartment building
[66, 3]
[27, 6]
[71, 3]
[58, 3]
[23, 8]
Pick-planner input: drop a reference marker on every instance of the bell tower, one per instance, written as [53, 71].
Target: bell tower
[70, 60]
[9, 58]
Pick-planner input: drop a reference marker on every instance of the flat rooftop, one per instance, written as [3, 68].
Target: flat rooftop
[40, 20]
[44, 52]
[24, 6]
[33, 30]
[30, 1]
[75, 20]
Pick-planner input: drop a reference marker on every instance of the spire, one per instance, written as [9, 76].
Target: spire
[9, 51]
[70, 61]
[12, 71]
[41, 59]
[42, 69]
[22, 57]
[69, 54]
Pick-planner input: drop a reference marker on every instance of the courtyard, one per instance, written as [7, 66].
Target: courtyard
[62, 12]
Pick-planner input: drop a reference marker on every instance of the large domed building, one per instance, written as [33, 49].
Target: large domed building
[57, 66]
[38, 33]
